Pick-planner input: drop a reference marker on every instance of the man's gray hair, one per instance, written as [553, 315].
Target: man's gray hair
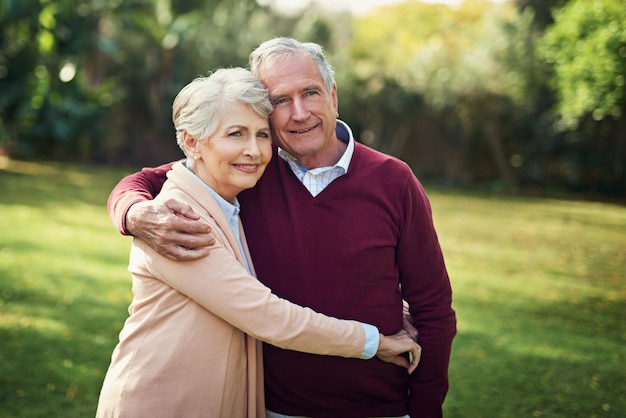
[270, 51]
[200, 105]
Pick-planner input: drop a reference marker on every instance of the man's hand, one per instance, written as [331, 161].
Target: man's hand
[171, 228]
[407, 321]
[390, 349]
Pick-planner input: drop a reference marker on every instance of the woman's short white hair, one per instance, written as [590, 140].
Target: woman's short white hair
[200, 105]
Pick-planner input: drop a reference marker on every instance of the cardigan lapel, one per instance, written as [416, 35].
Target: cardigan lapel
[189, 184]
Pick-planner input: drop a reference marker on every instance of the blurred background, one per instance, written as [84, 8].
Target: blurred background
[510, 112]
[501, 94]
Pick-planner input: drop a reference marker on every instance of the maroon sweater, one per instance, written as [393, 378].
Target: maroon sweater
[344, 253]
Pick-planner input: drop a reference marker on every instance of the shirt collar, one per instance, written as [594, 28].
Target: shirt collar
[231, 210]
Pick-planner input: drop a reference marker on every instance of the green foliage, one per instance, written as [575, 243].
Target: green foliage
[50, 109]
[459, 93]
[470, 66]
[541, 10]
[445, 53]
[463, 96]
[587, 48]
[88, 80]
[538, 289]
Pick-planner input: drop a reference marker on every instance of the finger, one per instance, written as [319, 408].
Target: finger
[410, 329]
[183, 241]
[200, 227]
[179, 253]
[414, 362]
[414, 355]
[189, 241]
[189, 226]
[401, 361]
[182, 209]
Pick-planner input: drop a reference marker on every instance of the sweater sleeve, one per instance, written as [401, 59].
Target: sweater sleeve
[221, 285]
[426, 287]
[137, 187]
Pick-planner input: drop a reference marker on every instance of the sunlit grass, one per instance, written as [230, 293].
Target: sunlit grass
[539, 291]
[539, 288]
[63, 288]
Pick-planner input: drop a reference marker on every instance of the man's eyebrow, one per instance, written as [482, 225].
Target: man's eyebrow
[312, 87]
[278, 96]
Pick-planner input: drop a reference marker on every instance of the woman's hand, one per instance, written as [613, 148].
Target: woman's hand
[391, 348]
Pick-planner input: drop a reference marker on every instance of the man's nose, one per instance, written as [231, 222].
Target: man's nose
[300, 110]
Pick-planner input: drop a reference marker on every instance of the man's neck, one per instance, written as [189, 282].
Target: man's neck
[330, 157]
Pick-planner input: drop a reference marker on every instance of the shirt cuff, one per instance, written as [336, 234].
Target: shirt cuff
[372, 338]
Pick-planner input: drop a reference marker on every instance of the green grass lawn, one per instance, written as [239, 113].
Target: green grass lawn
[539, 292]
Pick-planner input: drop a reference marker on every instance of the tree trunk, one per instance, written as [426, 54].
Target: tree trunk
[497, 153]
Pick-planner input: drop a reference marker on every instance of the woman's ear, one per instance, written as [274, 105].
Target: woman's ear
[191, 145]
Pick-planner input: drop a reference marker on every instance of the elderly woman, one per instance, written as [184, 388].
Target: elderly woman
[189, 348]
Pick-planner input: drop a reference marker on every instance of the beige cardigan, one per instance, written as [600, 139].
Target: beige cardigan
[188, 348]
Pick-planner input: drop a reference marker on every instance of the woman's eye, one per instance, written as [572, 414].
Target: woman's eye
[236, 133]
[263, 135]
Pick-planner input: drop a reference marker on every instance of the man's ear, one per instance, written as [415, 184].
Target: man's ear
[335, 100]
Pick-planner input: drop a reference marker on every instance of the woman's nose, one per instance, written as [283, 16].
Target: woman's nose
[252, 147]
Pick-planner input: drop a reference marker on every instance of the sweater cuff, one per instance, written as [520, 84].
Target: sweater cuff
[372, 338]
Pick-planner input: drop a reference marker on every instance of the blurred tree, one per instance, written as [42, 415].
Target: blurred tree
[457, 92]
[541, 10]
[471, 65]
[95, 79]
[374, 97]
[586, 47]
[23, 90]
[157, 49]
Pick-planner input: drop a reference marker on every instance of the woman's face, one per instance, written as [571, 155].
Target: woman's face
[236, 155]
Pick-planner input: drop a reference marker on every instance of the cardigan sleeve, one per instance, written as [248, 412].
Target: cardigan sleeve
[426, 287]
[220, 284]
[137, 187]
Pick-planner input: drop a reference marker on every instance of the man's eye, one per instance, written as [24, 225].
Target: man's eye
[279, 101]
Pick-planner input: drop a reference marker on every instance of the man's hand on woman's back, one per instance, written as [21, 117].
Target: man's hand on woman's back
[171, 228]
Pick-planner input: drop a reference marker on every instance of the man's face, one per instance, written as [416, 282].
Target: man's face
[305, 113]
